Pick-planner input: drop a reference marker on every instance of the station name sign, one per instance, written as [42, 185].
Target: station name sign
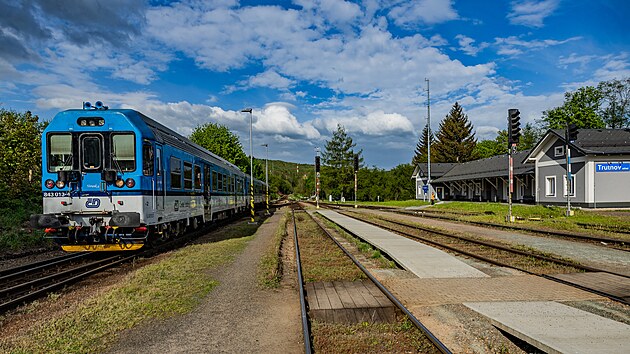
[613, 167]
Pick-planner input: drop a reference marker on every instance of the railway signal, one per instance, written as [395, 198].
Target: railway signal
[514, 126]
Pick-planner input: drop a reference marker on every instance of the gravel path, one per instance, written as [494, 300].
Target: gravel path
[587, 254]
[236, 317]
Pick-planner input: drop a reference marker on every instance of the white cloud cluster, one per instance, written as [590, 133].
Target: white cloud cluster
[531, 13]
[359, 64]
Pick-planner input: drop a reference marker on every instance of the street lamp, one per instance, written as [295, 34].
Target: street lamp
[251, 163]
[267, 175]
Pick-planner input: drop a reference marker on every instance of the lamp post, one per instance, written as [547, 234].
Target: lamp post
[267, 175]
[251, 163]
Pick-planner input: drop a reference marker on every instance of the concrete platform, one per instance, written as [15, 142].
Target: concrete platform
[418, 258]
[557, 328]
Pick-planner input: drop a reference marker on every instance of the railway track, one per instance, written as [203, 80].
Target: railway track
[25, 283]
[461, 241]
[307, 336]
[610, 242]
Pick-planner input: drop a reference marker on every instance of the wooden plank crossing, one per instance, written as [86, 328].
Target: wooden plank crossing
[604, 282]
[349, 302]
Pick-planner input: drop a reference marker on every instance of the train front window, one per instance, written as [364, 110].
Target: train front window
[123, 152]
[60, 152]
[91, 152]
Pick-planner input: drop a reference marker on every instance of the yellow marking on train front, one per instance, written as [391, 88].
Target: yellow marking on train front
[104, 247]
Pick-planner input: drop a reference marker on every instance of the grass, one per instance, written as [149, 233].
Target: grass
[390, 203]
[321, 259]
[270, 267]
[552, 217]
[160, 290]
[15, 233]
[399, 337]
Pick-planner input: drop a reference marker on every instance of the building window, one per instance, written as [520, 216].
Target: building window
[558, 151]
[571, 186]
[550, 186]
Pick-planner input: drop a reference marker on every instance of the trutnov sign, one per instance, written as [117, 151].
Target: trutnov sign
[613, 167]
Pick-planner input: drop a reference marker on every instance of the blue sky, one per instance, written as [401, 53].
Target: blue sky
[306, 66]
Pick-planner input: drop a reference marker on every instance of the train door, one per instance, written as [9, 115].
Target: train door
[160, 191]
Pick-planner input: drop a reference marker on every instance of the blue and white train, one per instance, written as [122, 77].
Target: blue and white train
[114, 179]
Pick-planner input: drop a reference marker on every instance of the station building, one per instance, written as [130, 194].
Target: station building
[600, 170]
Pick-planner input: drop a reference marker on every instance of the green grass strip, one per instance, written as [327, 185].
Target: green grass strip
[173, 286]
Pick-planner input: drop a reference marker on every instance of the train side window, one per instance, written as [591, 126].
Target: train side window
[197, 170]
[60, 152]
[176, 173]
[147, 159]
[123, 152]
[188, 175]
[220, 183]
[215, 181]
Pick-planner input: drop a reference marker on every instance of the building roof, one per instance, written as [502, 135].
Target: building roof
[496, 166]
[590, 142]
[438, 169]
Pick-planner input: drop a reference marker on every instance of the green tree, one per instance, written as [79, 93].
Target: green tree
[615, 107]
[221, 141]
[489, 148]
[338, 164]
[580, 107]
[455, 138]
[20, 155]
[529, 137]
[421, 152]
[399, 185]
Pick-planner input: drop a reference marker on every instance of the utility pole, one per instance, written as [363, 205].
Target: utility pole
[356, 172]
[570, 135]
[429, 139]
[317, 166]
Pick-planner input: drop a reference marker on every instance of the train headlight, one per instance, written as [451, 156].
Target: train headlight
[130, 183]
[61, 184]
[49, 183]
[119, 183]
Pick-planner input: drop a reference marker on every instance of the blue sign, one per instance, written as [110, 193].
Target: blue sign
[425, 189]
[613, 167]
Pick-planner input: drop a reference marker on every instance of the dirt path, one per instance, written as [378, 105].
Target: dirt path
[236, 317]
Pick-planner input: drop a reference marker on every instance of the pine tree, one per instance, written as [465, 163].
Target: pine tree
[421, 154]
[455, 138]
[338, 161]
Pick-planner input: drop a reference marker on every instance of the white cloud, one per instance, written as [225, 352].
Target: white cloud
[426, 12]
[270, 79]
[531, 13]
[514, 45]
[466, 45]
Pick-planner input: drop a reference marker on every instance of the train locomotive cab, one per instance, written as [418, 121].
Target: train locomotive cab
[96, 165]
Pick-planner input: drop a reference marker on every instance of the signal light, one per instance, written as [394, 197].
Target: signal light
[356, 162]
[317, 164]
[572, 132]
[50, 183]
[514, 126]
[130, 183]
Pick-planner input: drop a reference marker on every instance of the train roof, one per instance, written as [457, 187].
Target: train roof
[161, 133]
